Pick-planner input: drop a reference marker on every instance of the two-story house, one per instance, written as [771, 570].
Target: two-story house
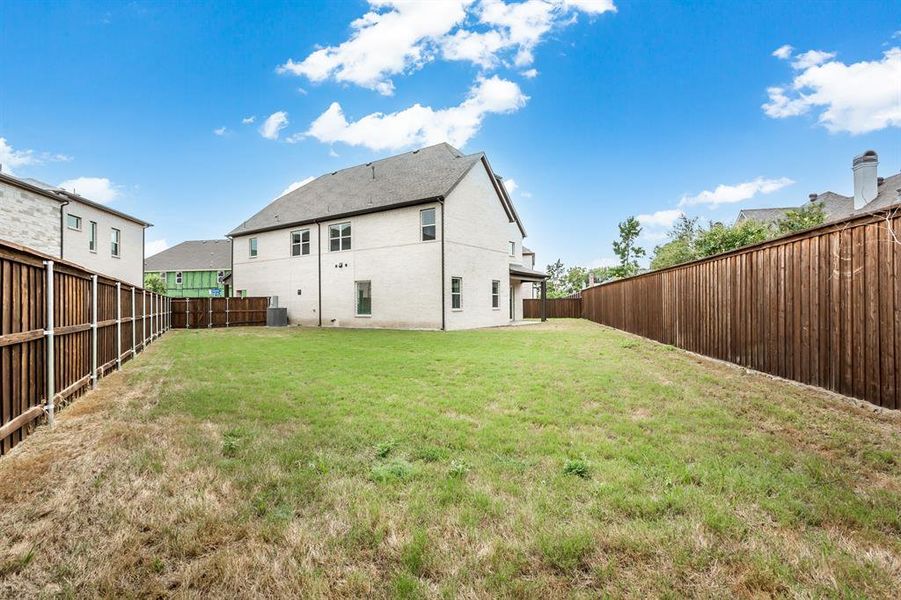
[64, 224]
[193, 269]
[427, 239]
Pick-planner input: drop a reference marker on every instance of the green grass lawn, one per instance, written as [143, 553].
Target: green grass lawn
[553, 460]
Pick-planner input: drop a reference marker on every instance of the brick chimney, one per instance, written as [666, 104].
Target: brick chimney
[865, 180]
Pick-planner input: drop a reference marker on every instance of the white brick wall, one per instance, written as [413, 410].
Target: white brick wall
[29, 219]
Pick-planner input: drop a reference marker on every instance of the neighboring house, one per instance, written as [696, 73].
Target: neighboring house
[871, 192]
[427, 239]
[64, 224]
[193, 269]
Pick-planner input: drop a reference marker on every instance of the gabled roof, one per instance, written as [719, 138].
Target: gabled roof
[411, 178]
[193, 255]
[61, 195]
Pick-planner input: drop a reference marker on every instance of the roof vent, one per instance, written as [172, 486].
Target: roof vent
[812, 197]
[416, 152]
[333, 172]
[373, 172]
[880, 180]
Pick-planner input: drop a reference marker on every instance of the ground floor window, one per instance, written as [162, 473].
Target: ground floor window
[495, 294]
[364, 298]
[457, 293]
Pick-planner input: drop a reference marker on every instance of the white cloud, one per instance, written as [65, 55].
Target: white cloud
[661, 218]
[393, 37]
[220, 131]
[249, 120]
[98, 189]
[730, 194]
[11, 159]
[397, 37]
[530, 73]
[155, 247]
[273, 125]
[854, 98]
[293, 186]
[511, 185]
[421, 125]
[783, 52]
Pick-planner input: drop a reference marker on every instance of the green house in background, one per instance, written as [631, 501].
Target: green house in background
[194, 269]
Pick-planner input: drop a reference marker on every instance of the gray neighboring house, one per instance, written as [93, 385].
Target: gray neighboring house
[871, 192]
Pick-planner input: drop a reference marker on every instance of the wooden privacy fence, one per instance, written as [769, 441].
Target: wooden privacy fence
[61, 328]
[557, 308]
[201, 313]
[822, 307]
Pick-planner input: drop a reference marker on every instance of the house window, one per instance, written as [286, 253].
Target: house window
[73, 222]
[512, 248]
[115, 242]
[364, 298]
[300, 242]
[427, 224]
[456, 293]
[253, 247]
[495, 294]
[179, 278]
[220, 277]
[92, 240]
[339, 237]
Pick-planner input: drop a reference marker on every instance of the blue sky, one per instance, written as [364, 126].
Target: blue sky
[595, 111]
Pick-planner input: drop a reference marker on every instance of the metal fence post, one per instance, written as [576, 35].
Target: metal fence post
[187, 313]
[93, 331]
[143, 319]
[210, 322]
[226, 311]
[50, 358]
[118, 325]
[134, 348]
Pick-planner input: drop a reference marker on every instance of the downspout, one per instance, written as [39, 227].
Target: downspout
[62, 225]
[319, 260]
[443, 300]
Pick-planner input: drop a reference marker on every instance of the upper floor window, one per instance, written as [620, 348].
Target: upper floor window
[92, 240]
[115, 242]
[253, 247]
[220, 277]
[495, 294]
[339, 237]
[364, 298]
[427, 224]
[512, 248]
[300, 242]
[457, 293]
[73, 222]
[179, 278]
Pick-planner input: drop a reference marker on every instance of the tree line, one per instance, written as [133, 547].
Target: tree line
[687, 240]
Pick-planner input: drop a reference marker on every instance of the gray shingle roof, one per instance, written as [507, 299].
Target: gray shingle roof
[516, 269]
[194, 255]
[390, 182]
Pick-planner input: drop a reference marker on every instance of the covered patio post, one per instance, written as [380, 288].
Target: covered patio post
[544, 299]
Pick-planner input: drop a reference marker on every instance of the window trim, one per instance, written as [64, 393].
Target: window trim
[433, 225]
[357, 312]
[92, 236]
[301, 243]
[253, 248]
[340, 237]
[512, 248]
[495, 294]
[77, 222]
[117, 244]
[458, 293]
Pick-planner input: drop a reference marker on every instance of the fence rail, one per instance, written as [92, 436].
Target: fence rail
[61, 328]
[202, 313]
[822, 307]
[557, 308]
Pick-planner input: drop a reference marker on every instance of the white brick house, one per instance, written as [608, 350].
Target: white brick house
[427, 239]
[64, 224]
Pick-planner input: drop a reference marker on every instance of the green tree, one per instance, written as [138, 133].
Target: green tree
[555, 282]
[798, 219]
[722, 238]
[154, 283]
[626, 249]
[575, 280]
[681, 247]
